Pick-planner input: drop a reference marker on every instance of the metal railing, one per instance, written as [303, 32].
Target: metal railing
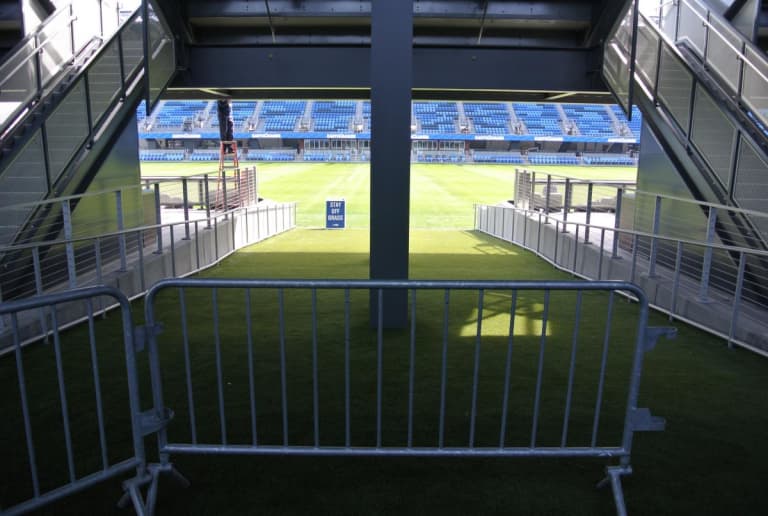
[174, 242]
[731, 154]
[38, 59]
[366, 398]
[42, 445]
[713, 286]
[736, 60]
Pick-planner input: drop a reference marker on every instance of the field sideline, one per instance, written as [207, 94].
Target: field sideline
[442, 195]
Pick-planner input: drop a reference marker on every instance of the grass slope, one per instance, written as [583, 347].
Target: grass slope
[710, 460]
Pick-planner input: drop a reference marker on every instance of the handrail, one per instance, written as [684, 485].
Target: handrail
[32, 54]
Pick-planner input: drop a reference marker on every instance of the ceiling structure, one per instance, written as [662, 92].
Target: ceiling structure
[463, 49]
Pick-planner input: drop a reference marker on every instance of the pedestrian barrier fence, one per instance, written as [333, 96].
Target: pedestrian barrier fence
[484, 369]
[57, 446]
[305, 367]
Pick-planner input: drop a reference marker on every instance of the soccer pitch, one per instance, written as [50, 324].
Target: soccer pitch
[442, 195]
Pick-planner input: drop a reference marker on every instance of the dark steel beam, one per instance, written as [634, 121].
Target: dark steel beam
[578, 11]
[481, 69]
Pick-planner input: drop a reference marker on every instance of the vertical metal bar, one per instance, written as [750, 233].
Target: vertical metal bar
[97, 385]
[548, 196]
[70, 246]
[38, 68]
[654, 241]
[347, 424]
[315, 392]
[25, 405]
[121, 228]
[197, 246]
[225, 207]
[444, 369]
[476, 372]
[63, 395]
[571, 369]
[207, 201]
[587, 229]
[617, 222]
[566, 202]
[38, 289]
[540, 369]
[251, 378]
[706, 267]
[538, 235]
[508, 370]
[173, 253]
[676, 279]
[99, 272]
[603, 363]
[283, 377]
[411, 367]
[219, 373]
[158, 219]
[216, 238]
[187, 365]
[737, 298]
[557, 240]
[379, 359]
[632, 273]
[525, 228]
[185, 196]
[575, 248]
[140, 246]
[602, 252]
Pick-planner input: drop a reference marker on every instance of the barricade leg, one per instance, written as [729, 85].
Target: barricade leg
[613, 478]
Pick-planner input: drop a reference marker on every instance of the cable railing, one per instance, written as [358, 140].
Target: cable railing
[673, 278]
[717, 230]
[27, 74]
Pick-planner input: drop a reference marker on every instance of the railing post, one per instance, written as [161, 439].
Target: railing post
[706, 266]
[617, 223]
[589, 212]
[38, 290]
[207, 192]
[70, 247]
[547, 197]
[158, 220]
[566, 202]
[654, 242]
[737, 298]
[533, 192]
[39, 68]
[121, 228]
[185, 196]
[88, 111]
[72, 30]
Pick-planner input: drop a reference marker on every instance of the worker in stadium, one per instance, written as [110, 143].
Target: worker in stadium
[226, 125]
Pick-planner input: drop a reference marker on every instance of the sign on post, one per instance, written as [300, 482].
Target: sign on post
[335, 214]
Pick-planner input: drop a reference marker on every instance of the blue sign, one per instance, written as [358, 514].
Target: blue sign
[335, 213]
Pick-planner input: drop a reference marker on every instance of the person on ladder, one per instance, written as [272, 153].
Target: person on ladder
[226, 124]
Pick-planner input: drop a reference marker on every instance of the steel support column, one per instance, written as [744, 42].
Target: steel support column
[391, 76]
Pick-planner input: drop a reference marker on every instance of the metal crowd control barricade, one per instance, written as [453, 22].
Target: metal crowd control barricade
[484, 369]
[52, 440]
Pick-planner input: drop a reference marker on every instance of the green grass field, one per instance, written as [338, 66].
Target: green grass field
[709, 461]
[441, 195]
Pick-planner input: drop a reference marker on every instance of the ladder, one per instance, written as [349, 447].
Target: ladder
[226, 199]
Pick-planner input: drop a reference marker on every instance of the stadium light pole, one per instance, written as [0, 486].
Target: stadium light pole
[391, 79]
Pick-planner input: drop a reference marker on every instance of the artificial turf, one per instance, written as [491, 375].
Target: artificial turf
[710, 460]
